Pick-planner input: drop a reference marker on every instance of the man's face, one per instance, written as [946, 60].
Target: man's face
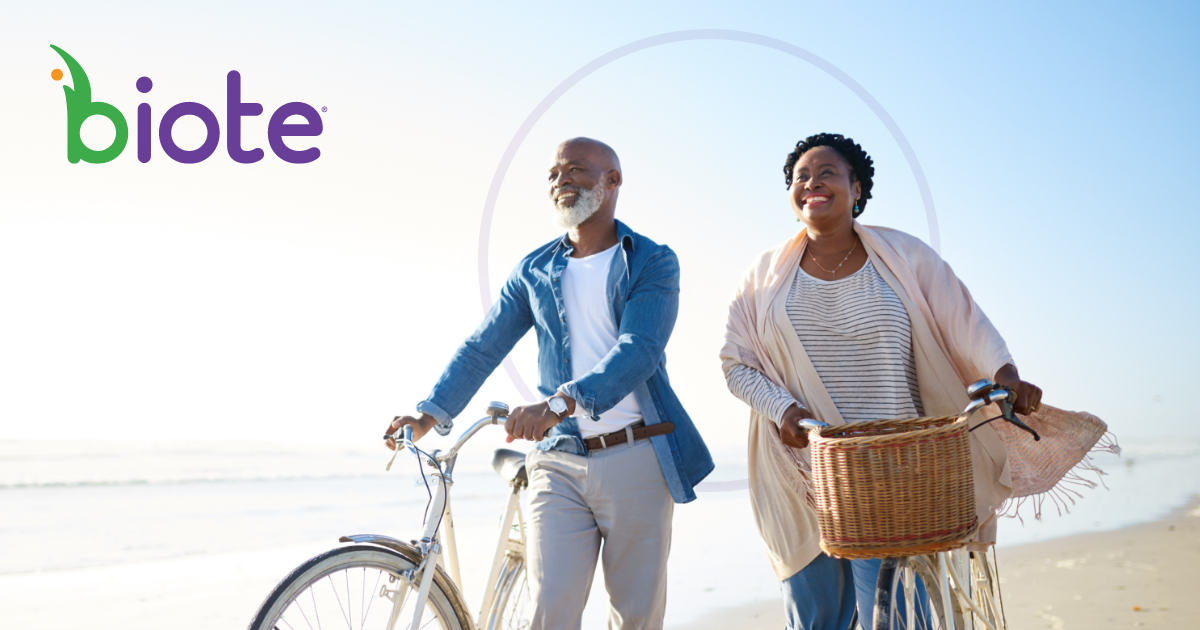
[573, 170]
[577, 182]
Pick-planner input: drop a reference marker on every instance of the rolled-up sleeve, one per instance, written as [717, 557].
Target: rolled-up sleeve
[508, 320]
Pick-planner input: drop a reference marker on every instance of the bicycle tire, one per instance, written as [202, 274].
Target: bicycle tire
[892, 589]
[285, 607]
[511, 608]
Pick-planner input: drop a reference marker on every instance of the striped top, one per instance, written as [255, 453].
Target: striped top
[857, 334]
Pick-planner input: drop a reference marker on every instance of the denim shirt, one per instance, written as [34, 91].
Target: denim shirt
[643, 291]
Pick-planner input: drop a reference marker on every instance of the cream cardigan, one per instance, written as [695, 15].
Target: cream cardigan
[954, 344]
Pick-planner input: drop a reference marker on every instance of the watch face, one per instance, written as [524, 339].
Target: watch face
[557, 405]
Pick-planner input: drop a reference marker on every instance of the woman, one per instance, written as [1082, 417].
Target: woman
[846, 323]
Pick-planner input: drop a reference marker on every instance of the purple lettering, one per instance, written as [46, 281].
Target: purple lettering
[211, 140]
[235, 109]
[143, 122]
[277, 129]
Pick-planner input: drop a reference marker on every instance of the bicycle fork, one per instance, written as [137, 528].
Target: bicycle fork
[431, 552]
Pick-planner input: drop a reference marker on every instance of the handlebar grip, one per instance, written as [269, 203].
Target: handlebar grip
[999, 394]
[408, 433]
[810, 424]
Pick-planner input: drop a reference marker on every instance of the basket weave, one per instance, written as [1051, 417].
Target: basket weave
[893, 487]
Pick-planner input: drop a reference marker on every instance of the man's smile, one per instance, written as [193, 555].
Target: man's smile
[565, 195]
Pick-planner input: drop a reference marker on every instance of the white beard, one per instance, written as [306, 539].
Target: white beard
[586, 204]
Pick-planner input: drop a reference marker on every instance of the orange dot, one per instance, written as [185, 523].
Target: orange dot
[56, 74]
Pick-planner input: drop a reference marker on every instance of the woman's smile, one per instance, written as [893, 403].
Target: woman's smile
[816, 199]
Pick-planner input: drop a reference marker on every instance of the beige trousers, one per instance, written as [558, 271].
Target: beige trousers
[612, 503]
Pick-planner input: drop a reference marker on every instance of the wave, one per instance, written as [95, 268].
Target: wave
[102, 483]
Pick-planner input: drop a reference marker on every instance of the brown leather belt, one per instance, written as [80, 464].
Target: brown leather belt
[638, 430]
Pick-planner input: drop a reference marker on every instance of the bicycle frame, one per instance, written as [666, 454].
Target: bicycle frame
[441, 518]
[962, 579]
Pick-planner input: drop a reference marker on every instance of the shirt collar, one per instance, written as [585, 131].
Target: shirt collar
[624, 236]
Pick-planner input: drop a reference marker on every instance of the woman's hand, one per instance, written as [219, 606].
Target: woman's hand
[791, 433]
[1029, 396]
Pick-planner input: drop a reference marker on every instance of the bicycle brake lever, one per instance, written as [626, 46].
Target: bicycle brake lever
[1006, 410]
[394, 454]
[1021, 425]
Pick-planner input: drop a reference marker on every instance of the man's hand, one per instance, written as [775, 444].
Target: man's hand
[420, 426]
[531, 422]
[791, 433]
[1029, 396]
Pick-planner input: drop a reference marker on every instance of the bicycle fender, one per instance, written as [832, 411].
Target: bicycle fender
[395, 544]
[414, 555]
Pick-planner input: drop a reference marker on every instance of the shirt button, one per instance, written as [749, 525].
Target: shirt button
[566, 360]
[562, 319]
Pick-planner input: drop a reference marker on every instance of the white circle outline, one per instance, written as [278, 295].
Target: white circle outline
[489, 206]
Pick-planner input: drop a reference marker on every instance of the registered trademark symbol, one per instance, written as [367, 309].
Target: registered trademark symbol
[324, 109]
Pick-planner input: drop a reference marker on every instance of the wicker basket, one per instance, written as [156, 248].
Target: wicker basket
[893, 487]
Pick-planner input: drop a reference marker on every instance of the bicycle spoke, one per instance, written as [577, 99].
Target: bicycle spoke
[316, 612]
[301, 609]
[341, 608]
[366, 607]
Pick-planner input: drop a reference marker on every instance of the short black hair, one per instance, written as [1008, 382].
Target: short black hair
[860, 163]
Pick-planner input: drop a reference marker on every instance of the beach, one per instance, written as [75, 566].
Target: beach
[1144, 576]
[193, 537]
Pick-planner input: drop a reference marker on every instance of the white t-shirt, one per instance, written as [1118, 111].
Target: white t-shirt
[593, 333]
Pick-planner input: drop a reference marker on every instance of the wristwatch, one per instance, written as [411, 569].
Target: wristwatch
[557, 405]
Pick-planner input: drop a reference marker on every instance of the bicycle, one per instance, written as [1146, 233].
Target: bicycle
[961, 586]
[343, 585]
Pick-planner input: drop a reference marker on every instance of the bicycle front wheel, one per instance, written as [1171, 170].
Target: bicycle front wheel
[359, 587]
[902, 601]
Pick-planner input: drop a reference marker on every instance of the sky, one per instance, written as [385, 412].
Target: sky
[313, 302]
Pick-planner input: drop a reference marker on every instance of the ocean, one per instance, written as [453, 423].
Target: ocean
[194, 534]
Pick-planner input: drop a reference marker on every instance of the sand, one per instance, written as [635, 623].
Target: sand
[1085, 581]
[1145, 576]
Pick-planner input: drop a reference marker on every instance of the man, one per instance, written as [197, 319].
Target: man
[615, 448]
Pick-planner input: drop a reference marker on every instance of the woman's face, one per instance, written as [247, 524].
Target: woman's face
[823, 188]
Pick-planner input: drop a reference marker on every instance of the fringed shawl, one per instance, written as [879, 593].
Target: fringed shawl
[954, 344]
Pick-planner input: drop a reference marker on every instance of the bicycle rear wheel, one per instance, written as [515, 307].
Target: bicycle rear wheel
[357, 587]
[512, 609]
[900, 604]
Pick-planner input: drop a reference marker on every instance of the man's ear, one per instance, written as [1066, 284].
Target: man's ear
[614, 178]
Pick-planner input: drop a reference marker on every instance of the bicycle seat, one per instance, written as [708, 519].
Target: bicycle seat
[510, 465]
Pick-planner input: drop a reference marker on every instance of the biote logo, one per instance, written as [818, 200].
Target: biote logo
[80, 107]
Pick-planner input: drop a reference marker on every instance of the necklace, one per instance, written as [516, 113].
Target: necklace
[834, 270]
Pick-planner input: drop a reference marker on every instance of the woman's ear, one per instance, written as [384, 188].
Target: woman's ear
[857, 190]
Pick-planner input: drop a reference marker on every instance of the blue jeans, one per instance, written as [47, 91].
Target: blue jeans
[822, 596]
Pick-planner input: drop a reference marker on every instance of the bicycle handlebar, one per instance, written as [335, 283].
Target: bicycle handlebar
[810, 424]
[403, 437]
[984, 392]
